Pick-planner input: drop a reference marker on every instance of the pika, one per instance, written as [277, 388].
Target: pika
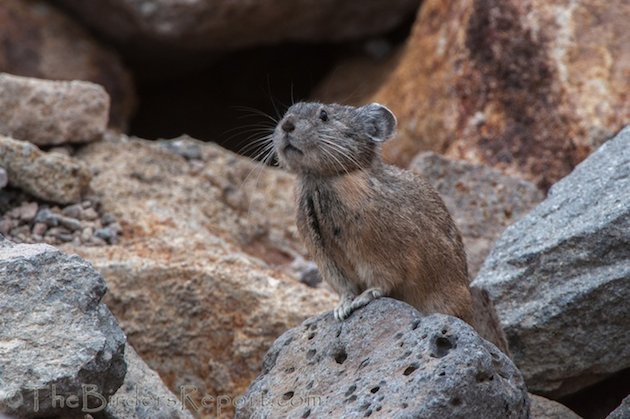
[373, 229]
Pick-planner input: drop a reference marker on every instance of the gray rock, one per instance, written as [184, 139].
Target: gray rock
[46, 216]
[623, 411]
[48, 176]
[55, 335]
[46, 112]
[386, 360]
[560, 277]
[223, 24]
[482, 200]
[143, 395]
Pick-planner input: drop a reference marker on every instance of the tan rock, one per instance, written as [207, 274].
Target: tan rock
[542, 408]
[36, 40]
[197, 280]
[530, 87]
[46, 112]
[49, 176]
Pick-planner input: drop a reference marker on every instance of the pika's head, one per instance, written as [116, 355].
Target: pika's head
[329, 140]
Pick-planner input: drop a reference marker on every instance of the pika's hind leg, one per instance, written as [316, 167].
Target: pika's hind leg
[365, 297]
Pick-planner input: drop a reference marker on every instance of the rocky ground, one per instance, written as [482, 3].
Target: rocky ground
[166, 279]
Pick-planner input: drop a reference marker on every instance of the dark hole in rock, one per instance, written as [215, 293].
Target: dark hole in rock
[368, 413]
[289, 370]
[365, 406]
[484, 376]
[456, 401]
[351, 390]
[311, 353]
[364, 363]
[340, 356]
[444, 331]
[423, 336]
[398, 335]
[351, 398]
[378, 408]
[338, 332]
[306, 413]
[288, 395]
[405, 405]
[401, 344]
[375, 389]
[442, 374]
[311, 335]
[442, 346]
[410, 369]
[415, 324]
[265, 391]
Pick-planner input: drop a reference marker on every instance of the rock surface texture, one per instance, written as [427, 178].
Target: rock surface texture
[54, 331]
[52, 177]
[560, 277]
[46, 112]
[143, 395]
[542, 408]
[194, 25]
[482, 200]
[622, 412]
[36, 40]
[530, 87]
[197, 278]
[386, 360]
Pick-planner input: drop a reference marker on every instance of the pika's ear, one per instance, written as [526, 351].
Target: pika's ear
[381, 122]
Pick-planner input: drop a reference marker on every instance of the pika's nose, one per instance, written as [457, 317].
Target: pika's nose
[288, 126]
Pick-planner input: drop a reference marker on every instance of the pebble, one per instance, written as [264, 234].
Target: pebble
[89, 214]
[39, 229]
[105, 233]
[46, 216]
[28, 211]
[108, 219]
[72, 211]
[87, 233]
[4, 178]
[70, 223]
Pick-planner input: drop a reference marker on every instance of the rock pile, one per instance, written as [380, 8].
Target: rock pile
[80, 224]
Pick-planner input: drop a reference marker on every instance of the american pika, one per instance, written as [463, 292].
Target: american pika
[373, 229]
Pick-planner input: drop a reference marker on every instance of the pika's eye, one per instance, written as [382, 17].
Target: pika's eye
[323, 115]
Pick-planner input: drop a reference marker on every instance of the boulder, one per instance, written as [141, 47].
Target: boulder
[542, 408]
[482, 200]
[199, 276]
[48, 176]
[36, 40]
[46, 112]
[560, 277]
[386, 360]
[59, 343]
[623, 411]
[530, 87]
[221, 25]
[143, 395]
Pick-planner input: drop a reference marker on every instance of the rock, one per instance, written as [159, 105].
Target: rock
[482, 201]
[623, 411]
[4, 178]
[221, 25]
[387, 360]
[530, 87]
[542, 408]
[56, 335]
[560, 277]
[46, 112]
[199, 285]
[36, 40]
[143, 395]
[48, 176]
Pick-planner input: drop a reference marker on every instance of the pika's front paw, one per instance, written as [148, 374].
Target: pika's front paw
[343, 310]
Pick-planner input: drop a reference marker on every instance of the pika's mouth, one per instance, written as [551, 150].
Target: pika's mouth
[289, 148]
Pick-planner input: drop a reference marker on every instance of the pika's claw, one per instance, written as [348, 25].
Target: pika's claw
[344, 309]
[365, 298]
